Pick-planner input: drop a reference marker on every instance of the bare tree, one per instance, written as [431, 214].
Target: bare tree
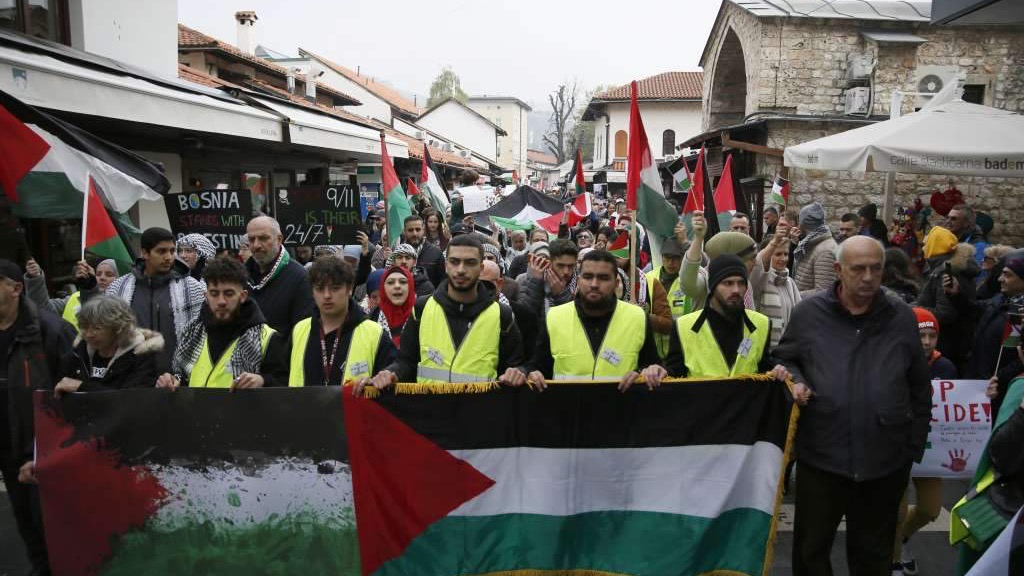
[563, 106]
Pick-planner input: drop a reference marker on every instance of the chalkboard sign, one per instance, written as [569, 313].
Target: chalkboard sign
[318, 215]
[220, 215]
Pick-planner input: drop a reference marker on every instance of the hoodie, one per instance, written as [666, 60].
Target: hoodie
[134, 364]
[313, 360]
[460, 317]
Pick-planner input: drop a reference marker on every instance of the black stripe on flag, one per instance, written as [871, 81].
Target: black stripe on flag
[150, 425]
[599, 416]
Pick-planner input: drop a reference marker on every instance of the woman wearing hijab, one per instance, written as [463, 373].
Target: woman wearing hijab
[397, 299]
[88, 280]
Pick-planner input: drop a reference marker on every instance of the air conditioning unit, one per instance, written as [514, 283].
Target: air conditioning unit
[668, 158]
[858, 100]
[449, 147]
[433, 142]
[930, 80]
[859, 66]
[419, 134]
[465, 154]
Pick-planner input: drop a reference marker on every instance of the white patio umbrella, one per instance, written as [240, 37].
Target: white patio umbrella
[955, 138]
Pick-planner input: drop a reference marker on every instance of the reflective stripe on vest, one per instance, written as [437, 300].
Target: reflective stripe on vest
[679, 303]
[704, 357]
[476, 358]
[71, 308]
[619, 351]
[206, 374]
[362, 349]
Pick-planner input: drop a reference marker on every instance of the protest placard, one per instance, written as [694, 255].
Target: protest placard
[318, 215]
[961, 424]
[220, 215]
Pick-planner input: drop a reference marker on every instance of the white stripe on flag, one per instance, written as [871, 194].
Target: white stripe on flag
[121, 190]
[564, 482]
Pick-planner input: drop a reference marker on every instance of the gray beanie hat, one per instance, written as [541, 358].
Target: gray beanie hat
[812, 216]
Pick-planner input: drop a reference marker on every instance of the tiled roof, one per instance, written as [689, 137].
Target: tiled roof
[498, 129]
[190, 38]
[541, 157]
[664, 86]
[382, 91]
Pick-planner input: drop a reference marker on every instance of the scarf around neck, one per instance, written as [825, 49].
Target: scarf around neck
[282, 260]
[390, 313]
[807, 241]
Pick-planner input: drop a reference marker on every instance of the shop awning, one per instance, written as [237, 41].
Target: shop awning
[47, 82]
[309, 128]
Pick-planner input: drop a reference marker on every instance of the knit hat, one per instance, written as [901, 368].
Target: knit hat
[926, 319]
[812, 216]
[672, 247]
[938, 242]
[541, 249]
[735, 243]
[108, 262]
[725, 266]
[1014, 260]
[373, 280]
[869, 211]
[352, 251]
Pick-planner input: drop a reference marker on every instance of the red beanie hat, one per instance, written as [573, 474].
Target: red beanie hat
[926, 319]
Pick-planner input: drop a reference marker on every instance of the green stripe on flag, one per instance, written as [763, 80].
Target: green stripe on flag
[398, 211]
[645, 544]
[48, 195]
[511, 224]
[114, 248]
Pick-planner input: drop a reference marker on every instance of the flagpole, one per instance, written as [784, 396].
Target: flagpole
[85, 213]
[387, 240]
[632, 257]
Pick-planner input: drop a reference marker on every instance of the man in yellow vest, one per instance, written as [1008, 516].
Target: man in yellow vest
[460, 333]
[723, 339]
[230, 345]
[596, 336]
[339, 342]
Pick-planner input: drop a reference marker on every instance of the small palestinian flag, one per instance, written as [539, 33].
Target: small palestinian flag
[780, 192]
[431, 183]
[398, 208]
[682, 179]
[695, 197]
[410, 188]
[45, 163]
[581, 479]
[146, 481]
[620, 247]
[99, 235]
[580, 185]
[725, 196]
[1011, 333]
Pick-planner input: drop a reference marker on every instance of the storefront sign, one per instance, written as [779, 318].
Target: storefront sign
[318, 215]
[220, 215]
[961, 424]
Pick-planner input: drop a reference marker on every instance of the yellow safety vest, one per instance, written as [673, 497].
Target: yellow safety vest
[476, 358]
[958, 530]
[207, 374]
[619, 351]
[71, 308]
[362, 349]
[678, 302]
[704, 357]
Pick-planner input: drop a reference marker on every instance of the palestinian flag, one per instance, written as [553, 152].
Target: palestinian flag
[620, 247]
[146, 481]
[780, 192]
[431, 182]
[682, 179]
[411, 189]
[99, 235]
[725, 196]
[576, 178]
[579, 210]
[581, 479]
[398, 208]
[695, 197]
[1011, 333]
[45, 163]
[511, 224]
[1006, 554]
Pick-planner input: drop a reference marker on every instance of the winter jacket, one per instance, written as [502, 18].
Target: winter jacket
[460, 317]
[35, 289]
[989, 333]
[816, 270]
[533, 293]
[954, 322]
[134, 364]
[873, 398]
[431, 259]
[775, 296]
[975, 237]
[313, 358]
[285, 299]
[33, 363]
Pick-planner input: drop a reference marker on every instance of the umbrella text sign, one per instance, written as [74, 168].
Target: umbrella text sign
[318, 215]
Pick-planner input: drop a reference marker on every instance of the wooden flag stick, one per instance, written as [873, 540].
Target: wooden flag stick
[632, 257]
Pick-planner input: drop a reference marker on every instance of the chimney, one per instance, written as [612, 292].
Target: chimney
[311, 75]
[291, 80]
[246, 22]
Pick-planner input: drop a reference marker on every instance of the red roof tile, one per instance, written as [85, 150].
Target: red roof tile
[664, 86]
[541, 157]
[190, 38]
[382, 91]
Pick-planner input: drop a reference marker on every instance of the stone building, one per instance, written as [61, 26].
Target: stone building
[778, 74]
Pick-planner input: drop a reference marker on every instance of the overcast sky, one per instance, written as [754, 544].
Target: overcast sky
[522, 48]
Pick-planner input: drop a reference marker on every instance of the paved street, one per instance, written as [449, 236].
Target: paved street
[934, 555]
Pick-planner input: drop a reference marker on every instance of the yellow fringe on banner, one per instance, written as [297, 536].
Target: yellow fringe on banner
[794, 416]
[446, 387]
[570, 572]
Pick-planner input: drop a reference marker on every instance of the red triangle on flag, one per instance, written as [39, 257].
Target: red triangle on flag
[697, 184]
[98, 226]
[20, 150]
[402, 482]
[411, 188]
[551, 223]
[725, 196]
[622, 241]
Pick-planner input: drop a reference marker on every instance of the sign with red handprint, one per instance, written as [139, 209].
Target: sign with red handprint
[961, 423]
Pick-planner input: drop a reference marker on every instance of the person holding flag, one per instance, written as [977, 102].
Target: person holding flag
[693, 278]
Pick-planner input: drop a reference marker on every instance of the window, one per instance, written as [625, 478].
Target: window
[621, 144]
[668, 142]
[46, 19]
[974, 93]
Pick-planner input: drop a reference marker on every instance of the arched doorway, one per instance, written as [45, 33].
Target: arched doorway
[621, 144]
[729, 86]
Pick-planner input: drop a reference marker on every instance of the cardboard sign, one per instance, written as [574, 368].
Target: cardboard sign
[961, 424]
[318, 215]
[220, 215]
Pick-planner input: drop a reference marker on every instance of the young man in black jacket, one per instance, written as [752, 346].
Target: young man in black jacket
[278, 284]
[32, 342]
[429, 257]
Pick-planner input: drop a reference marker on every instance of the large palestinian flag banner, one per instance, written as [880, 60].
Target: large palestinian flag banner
[477, 480]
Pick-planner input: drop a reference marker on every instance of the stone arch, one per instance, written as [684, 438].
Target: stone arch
[728, 98]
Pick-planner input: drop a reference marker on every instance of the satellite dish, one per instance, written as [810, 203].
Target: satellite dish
[930, 84]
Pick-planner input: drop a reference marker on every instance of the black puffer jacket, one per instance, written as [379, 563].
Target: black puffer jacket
[134, 365]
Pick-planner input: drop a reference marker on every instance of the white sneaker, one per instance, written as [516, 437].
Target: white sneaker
[907, 560]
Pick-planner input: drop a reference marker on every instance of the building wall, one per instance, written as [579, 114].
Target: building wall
[152, 212]
[143, 34]
[682, 117]
[372, 105]
[512, 118]
[463, 127]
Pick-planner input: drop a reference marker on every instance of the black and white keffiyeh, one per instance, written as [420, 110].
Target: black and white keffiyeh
[247, 356]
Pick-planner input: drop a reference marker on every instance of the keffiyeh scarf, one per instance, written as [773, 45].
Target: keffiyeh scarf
[247, 356]
[187, 297]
